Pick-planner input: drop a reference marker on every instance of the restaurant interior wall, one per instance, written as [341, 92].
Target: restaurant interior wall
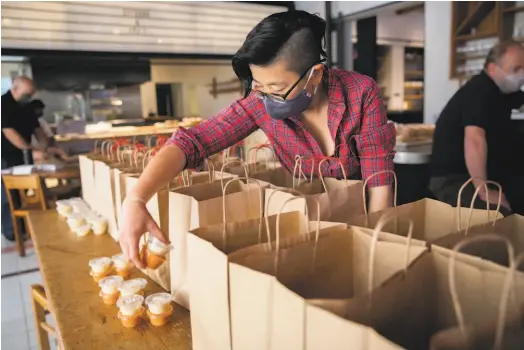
[438, 86]
[196, 80]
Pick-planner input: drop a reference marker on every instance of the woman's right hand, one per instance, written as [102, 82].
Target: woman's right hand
[136, 221]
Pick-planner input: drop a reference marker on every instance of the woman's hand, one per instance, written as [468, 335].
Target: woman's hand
[136, 221]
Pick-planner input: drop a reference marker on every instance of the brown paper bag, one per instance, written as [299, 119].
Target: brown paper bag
[105, 205]
[208, 249]
[87, 178]
[510, 227]
[432, 219]
[268, 311]
[202, 205]
[414, 306]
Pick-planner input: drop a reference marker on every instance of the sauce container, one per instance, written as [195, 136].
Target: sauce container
[100, 267]
[159, 308]
[132, 287]
[155, 252]
[130, 309]
[122, 265]
[109, 289]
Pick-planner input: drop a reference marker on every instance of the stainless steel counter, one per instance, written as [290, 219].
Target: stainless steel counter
[413, 153]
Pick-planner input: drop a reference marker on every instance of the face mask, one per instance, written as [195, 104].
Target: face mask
[510, 82]
[25, 99]
[283, 109]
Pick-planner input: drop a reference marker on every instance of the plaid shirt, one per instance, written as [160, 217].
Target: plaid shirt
[364, 139]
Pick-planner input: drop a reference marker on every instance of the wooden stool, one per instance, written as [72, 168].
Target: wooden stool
[36, 201]
[40, 310]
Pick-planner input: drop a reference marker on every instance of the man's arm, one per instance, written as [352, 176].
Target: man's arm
[476, 153]
[16, 139]
[376, 148]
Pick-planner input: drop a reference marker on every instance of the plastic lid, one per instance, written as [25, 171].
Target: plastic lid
[63, 202]
[158, 298]
[136, 283]
[100, 261]
[111, 281]
[130, 300]
[158, 245]
[74, 216]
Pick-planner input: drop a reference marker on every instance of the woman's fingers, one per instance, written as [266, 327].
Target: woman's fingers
[153, 229]
[133, 252]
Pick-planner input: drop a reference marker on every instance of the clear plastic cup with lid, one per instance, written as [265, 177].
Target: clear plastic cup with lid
[100, 267]
[83, 230]
[64, 207]
[155, 252]
[159, 308]
[133, 286]
[109, 289]
[122, 265]
[75, 220]
[99, 225]
[130, 309]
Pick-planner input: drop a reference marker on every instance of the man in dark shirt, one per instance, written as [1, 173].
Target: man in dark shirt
[474, 135]
[17, 130]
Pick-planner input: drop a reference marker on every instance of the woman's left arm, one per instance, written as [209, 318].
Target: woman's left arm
[376, 148]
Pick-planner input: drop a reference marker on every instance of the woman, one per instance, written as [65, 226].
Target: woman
[303, 107]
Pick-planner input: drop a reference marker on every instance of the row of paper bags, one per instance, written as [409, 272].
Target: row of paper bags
[227, 270]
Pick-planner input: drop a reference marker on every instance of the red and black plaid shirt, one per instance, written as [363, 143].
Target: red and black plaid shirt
[364, 139]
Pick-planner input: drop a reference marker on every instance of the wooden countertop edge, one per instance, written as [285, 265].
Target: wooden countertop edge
[179, 332]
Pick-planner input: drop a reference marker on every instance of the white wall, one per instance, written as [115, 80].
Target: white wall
[438, 88]
[195, 90]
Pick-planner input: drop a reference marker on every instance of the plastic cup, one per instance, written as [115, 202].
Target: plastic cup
[99, 226]
[155, 252]
[122, 265]
[99, 265]
[64, 208]
[83, 230]
[75, 220]
[158, 303]
[130, 309]
[109, 289]
[157, 247]
[132, 287]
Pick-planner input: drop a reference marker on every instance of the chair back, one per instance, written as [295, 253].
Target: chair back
[29, 187]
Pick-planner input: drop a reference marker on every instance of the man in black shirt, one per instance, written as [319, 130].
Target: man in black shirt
[17, 130]
[474, 135]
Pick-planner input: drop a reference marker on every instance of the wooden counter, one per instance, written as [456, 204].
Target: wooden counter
[139, 131]
[83, 321]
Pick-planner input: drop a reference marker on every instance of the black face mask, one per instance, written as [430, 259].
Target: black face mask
[25, 99]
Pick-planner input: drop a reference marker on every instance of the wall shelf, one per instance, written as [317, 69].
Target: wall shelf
[477, 26]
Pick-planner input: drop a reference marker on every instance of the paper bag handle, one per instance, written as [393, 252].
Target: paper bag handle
[459, 201]
[277, 224]
[298, 166]
[395, 191]
[266, 209]
[384, 219]
[227, 154]
[322, 176]
[257, 149]
[233, 161]
[224, 218]
[505, 289]
[475, 194]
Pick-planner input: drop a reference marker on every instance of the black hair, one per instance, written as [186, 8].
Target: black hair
[37, 104]
[498, 51]
[296, 36]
